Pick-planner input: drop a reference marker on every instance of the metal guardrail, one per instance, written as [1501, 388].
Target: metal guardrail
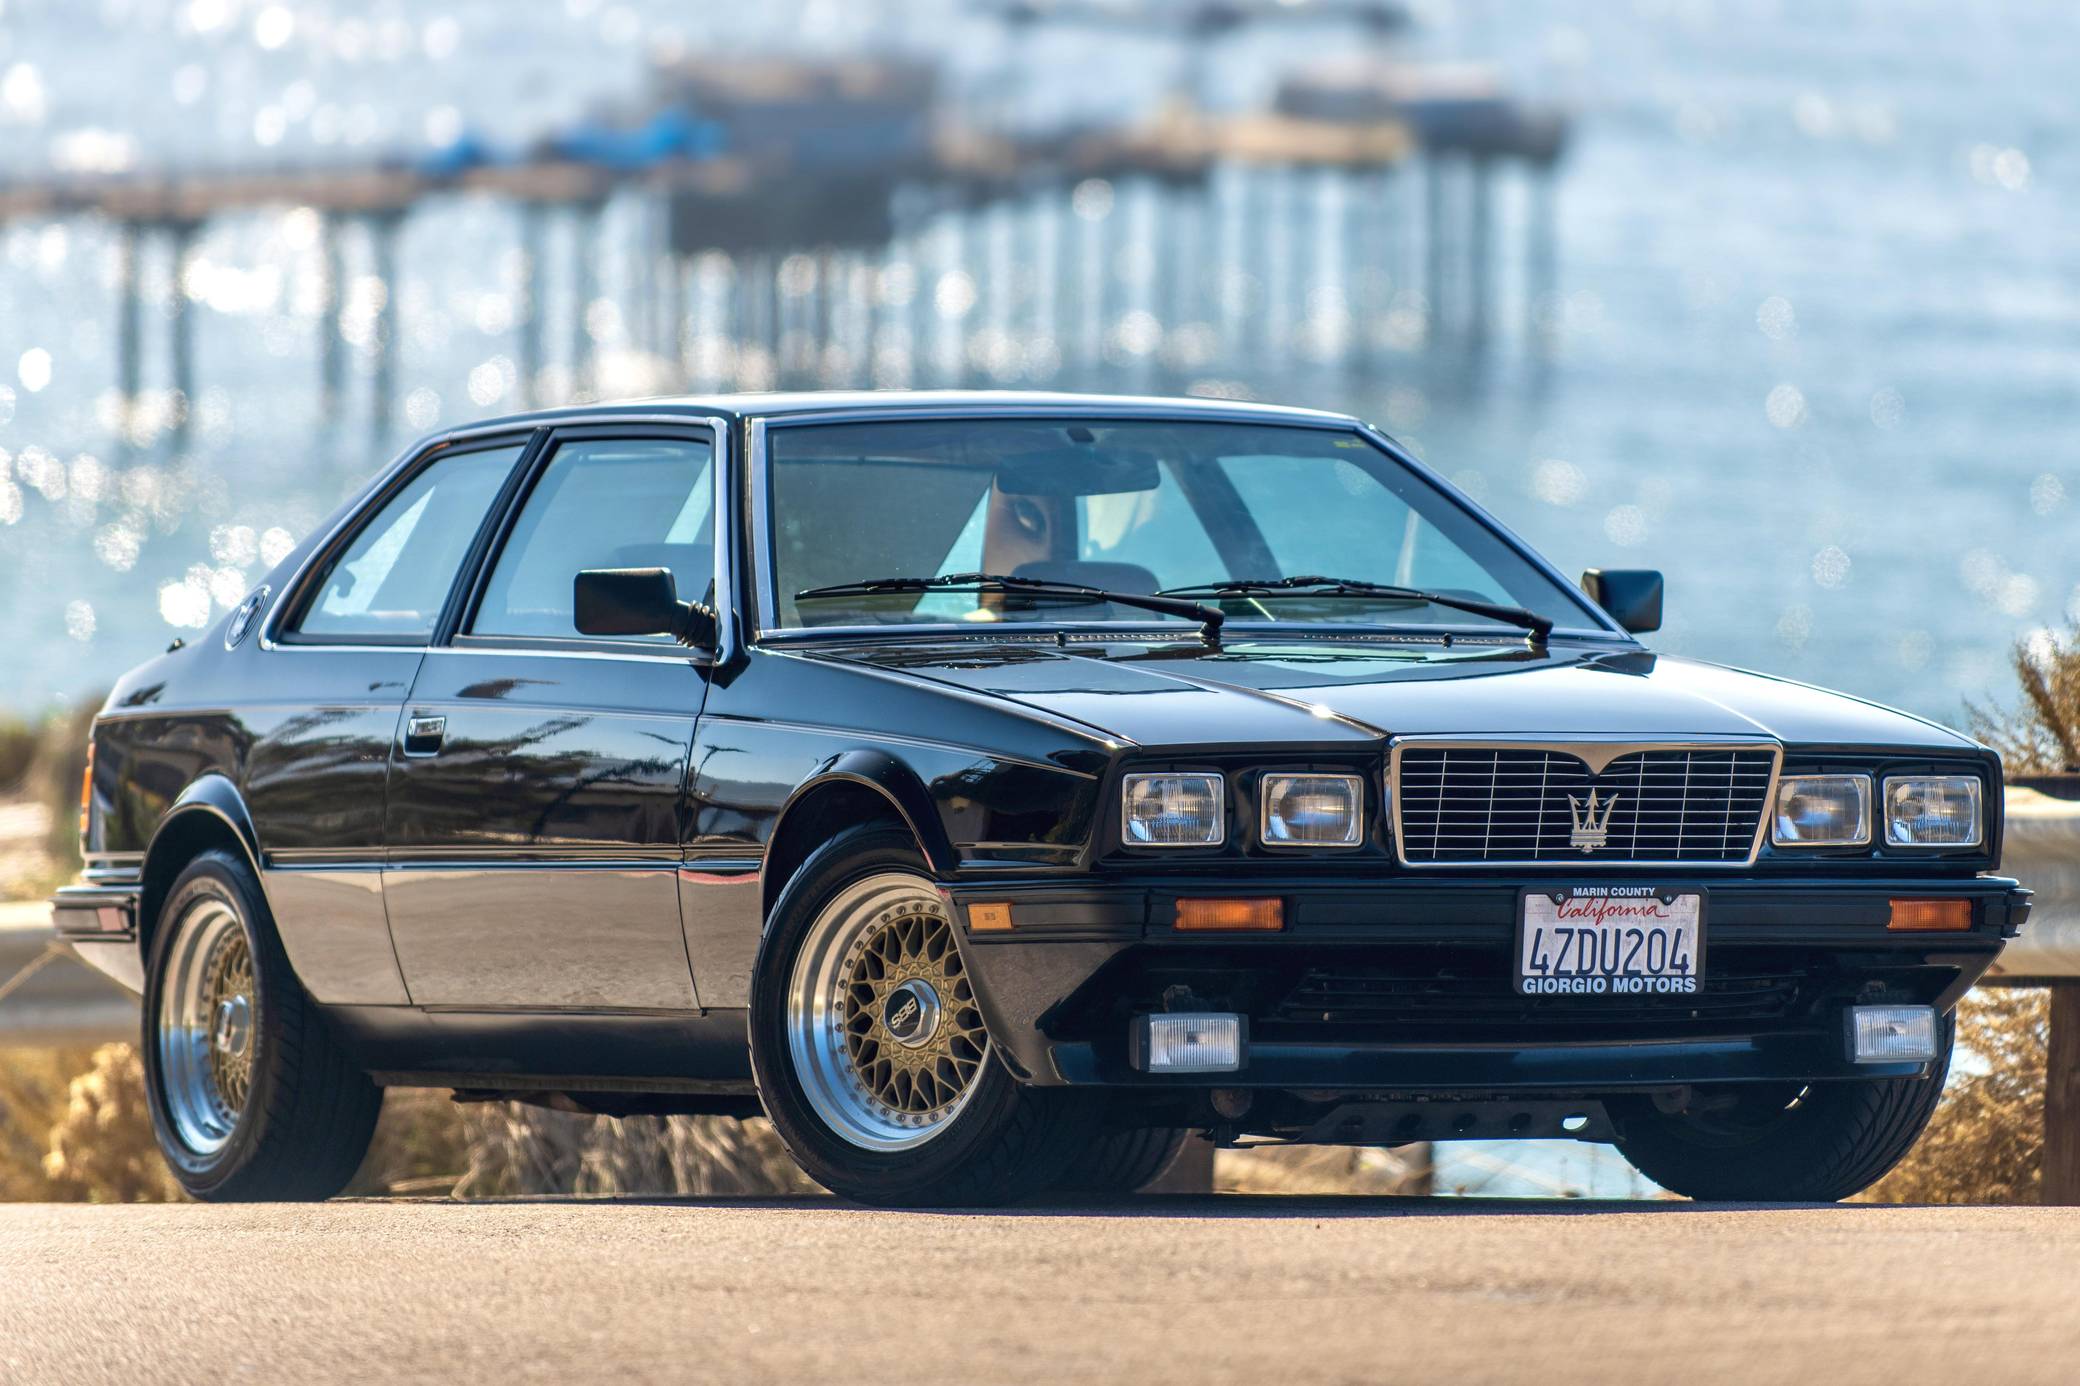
[2042, 850]
[46, 996]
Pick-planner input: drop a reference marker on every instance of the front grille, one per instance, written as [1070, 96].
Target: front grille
[1470, 804]
[1481, 1000]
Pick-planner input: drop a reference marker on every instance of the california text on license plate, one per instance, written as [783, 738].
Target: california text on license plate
[1617, 940]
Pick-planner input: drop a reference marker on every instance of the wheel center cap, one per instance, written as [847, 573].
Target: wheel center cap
[911, 1013]
[233, 1028]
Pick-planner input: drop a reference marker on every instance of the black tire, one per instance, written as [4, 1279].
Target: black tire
[1783, 1144]
[1121, 1162]
[1008, 1142]
[305, 1123]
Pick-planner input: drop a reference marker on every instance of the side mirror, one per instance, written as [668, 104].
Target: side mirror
[1631, 595]
[638, 601]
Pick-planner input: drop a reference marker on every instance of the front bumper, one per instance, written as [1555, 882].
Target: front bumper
[1404, 986]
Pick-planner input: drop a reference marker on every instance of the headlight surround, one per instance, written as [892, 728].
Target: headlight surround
[1311, 810]
[1934, 811]
[1173, 809]
[1822, 811]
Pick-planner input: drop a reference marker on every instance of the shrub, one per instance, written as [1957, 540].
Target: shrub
[2041, 736]
[1986, 1141]
[517, 1149]
[101, 1149]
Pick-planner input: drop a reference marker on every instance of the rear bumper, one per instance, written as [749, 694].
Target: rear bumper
[1405, 986]
[98, 922]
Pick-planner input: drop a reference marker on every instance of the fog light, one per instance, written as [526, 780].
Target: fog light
[1188, 1042]
[1892, 1034]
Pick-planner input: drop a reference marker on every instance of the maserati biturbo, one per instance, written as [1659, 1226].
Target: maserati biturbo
[992, 789]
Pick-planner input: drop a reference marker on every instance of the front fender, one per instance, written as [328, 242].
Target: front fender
[899, 785]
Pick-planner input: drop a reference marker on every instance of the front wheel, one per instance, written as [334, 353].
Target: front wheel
[871, 1055]
[251, 1097]
[1814, 1143]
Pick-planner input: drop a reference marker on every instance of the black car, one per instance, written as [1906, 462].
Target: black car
[1032, 780]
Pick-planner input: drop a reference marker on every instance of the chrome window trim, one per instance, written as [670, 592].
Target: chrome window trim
[759, 481]
[525, 427]
[1597, 753]
[720, 572]
[650, 654]
[407, 461]
[1264, 837]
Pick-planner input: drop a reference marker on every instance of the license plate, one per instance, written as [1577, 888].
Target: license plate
[1610, 941]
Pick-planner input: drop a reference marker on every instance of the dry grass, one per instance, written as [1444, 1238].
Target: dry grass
[1322, 1169]
[74, 1128]
[528, 1150]
[1986, 1142]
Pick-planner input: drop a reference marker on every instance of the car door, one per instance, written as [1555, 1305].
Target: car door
[537, 785]
[320, 709]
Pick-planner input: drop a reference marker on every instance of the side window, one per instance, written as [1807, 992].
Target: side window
[392, 580]
[603, 503]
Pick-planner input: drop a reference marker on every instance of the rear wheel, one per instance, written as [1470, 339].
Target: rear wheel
[871, 1056]
[251, 1097]
[1787, 1142]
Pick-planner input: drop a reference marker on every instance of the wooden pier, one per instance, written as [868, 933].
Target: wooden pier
[1356, 208]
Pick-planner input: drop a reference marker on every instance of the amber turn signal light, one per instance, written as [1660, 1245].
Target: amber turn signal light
[86, 797]
[1930, 916]
[991, 918]
[1234, 916]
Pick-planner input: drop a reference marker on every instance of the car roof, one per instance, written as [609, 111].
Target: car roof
[783, 404]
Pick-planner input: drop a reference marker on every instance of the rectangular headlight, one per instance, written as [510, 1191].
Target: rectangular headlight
[1934, 811]
[1173, 810]
[1312, 810]
[1822, 811]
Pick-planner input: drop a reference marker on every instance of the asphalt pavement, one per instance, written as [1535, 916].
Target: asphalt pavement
[1204, 1290]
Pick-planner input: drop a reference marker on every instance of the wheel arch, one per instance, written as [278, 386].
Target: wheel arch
[210, 814]
[853, 787]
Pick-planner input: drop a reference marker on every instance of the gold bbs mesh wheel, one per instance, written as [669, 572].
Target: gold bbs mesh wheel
[881, 1019]
[206, 1025]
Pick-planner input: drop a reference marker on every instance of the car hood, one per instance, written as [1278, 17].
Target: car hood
[1323, 693]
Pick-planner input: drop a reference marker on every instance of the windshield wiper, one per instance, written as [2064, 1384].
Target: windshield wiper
[1306, 584]
[1208, 617]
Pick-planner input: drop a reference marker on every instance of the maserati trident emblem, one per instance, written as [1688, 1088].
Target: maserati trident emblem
[1590, 831]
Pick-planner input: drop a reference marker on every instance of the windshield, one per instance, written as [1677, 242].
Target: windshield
[1126, 506]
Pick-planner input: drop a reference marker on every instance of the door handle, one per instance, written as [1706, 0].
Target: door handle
[423, 735]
